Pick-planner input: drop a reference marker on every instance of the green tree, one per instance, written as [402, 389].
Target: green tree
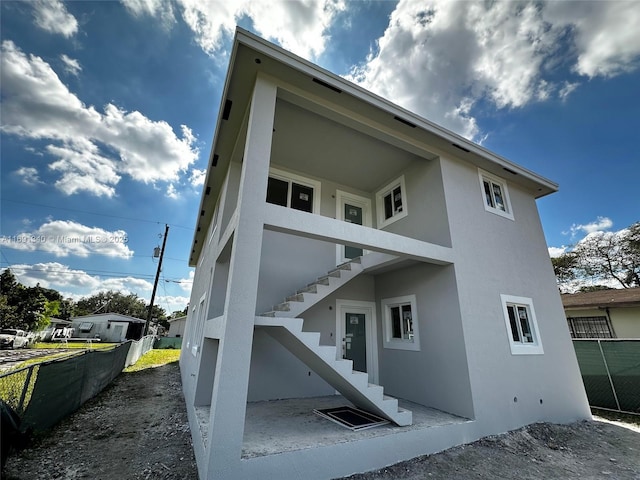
[116, 302]
[602, 257]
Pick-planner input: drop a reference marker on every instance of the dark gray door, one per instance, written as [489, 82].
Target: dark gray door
[356, 340]
[352, 214]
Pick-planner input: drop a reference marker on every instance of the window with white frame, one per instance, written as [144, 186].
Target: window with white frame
[197, 337]
[293, 191]
[391, 202]
[400, 319]
[495, 195]
[522, 326]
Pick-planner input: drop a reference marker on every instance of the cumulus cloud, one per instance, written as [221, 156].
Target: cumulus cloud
[440, 59]
[53, 16]
[29, 176]
[37, 105]
[300, 26]
[555, 252]
[71, 65]
[599, 225]
[64, 237]
[54, 275]
[172, 192]
[197, 177]
[172, 303]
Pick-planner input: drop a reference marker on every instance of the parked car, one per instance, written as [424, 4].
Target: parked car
[13, 338]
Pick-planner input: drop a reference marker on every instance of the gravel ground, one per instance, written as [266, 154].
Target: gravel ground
[137, 429]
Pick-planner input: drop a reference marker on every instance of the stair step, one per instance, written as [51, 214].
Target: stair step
[282, 307]
[297, 297]
[313, 288]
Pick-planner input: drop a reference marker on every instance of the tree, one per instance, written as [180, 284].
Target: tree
[602, 258]
[116, 302]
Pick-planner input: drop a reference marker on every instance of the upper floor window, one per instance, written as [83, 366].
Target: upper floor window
[495, 194]
[293, 191]
[522, 327]
[391, 202]
[400, 323]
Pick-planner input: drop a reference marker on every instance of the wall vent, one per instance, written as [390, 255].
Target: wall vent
[326, 85]
[461, 147]
[214, 162]
[509, 170]
[406, 122]
[227, 109]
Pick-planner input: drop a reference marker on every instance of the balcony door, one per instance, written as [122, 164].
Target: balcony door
[354, 209]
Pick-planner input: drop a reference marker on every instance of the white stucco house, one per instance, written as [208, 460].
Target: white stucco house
[177, 326]
[350, 252]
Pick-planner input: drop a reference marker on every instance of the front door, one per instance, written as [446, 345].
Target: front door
[352, 214]
[357, 337]
[355, 341]
[354, 209]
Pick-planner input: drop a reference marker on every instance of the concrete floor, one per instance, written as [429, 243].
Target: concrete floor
[287, 425]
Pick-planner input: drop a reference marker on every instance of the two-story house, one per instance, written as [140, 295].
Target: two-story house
[351, 253]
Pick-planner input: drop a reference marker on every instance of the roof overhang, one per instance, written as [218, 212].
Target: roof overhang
[349, 103]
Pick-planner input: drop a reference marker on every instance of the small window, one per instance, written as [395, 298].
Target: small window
[400, 323]
[292, 191]
[590, 327]
[495, 195]
[86, 326]
[391, 202]
[522, 327]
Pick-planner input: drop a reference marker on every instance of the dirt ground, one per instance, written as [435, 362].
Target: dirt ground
[137, 429]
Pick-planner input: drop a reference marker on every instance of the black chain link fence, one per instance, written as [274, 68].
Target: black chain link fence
[611, 373]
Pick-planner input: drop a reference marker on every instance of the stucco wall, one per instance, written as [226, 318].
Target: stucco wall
[494, 256]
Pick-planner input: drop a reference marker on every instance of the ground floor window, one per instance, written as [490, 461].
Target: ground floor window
[400, 323]
[590, 327]
[522, 326]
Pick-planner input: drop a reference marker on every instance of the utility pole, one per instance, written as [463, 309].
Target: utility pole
[155, 284]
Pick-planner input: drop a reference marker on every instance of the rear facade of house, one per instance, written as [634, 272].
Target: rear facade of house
[346, 246]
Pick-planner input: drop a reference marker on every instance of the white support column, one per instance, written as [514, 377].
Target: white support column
[228, 405]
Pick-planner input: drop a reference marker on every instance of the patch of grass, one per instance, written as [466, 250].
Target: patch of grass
[154, 358]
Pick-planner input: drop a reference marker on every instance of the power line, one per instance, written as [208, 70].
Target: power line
[98, 214]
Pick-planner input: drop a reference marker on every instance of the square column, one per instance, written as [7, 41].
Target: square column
[229, 399]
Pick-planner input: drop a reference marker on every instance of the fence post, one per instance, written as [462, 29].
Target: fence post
[606, 367]
[25, 388]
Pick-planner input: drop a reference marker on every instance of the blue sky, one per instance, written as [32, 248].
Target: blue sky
[108, 111]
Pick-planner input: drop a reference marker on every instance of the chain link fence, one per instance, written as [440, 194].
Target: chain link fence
[611, 373]
[44, 393]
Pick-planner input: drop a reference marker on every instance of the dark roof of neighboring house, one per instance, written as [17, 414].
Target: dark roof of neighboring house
[625, 297]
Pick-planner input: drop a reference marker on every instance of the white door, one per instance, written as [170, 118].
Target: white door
[356, 336]
[352, 209]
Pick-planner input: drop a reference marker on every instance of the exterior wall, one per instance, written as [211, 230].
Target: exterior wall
[177, 327]
[494, 256]
[625, 321]
[437, 375]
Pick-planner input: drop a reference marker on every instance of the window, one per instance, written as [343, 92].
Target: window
[391, 202]
[522, 327]
[590, 327]
[85, 326]
[400, 323]
[293, 191]
[197, 329]
[495, 194]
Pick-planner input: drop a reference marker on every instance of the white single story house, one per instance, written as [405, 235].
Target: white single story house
[603, 313]
[177, 326]
[350, 253]
[108, 327]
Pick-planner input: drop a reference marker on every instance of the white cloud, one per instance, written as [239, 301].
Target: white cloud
[36, 104]
[197, 177]
[71, 65]
[440, 59]
[557, 251]
[29, 176]
[63, 238]
[299, 26]
[172, 303]
[54, 275]
[599, 225]
[171, 192]
[52, 16]
[187, 283]
[127, 284]
[606, 34]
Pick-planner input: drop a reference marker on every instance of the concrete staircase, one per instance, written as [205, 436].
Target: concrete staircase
[281, 324]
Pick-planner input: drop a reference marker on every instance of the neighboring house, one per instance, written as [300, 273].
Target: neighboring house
[440, 311]
[57, 327]
[603, 313]
[176, 327]
[108, 327]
